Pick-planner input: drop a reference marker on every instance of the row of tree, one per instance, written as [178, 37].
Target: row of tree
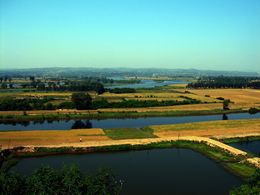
[83, 101]
[26, 104]
[67, 181]
[226, 82]
[72, 86]
[251, 187]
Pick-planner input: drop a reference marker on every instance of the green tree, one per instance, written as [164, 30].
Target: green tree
[81, 100]
[67, 181]
[226, 104]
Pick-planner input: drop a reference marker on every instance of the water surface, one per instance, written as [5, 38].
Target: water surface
[157, 171]
[116, 123]
[249, 146]
[147, 84]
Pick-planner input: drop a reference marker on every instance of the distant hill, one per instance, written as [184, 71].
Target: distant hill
[108, 72]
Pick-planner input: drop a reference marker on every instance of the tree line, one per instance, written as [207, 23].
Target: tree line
[68, 181]
[83, 101]
[226, 82]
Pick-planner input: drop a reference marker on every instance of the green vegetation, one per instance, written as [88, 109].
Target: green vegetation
[25, 104]
[68, 180]
[129, 133]
[240, 139]
[252, 187]
[102, 115]
[226, 104]
[81, 100]
[122, 90]
[226, 82]
[253, 110]
[141, 104]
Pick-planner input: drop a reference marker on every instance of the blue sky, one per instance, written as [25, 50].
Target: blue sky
[202, 34]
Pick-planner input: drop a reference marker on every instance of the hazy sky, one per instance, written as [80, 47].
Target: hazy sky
[202, 34]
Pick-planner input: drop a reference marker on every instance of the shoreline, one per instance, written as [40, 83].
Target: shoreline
[234, 160]
[113, 115]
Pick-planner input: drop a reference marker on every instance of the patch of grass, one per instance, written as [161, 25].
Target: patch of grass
[241, 169]
[226, 124]
[117, 114]
[129, 133]
[240, 139]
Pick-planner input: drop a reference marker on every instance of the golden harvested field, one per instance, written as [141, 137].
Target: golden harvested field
[209, 129]
[167, 108]
[178, 86]
[244, 96]
[21, 138]
[155, 95]
[98, 137]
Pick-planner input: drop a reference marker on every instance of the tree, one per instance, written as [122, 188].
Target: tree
[4, 86]
[67, 181]
[99, 88]
[81, 100]
[226, 104]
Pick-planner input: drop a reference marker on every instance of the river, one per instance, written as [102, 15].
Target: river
[116, 123]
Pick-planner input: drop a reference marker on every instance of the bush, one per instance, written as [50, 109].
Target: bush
[220, 98]
[81, 100]
[122, 90]
[66, 105]
[253, 110]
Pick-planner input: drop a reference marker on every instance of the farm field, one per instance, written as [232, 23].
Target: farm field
[218, 129]
[240, 99]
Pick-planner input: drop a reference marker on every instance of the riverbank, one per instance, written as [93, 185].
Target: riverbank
[188, 135]
[218, 129]
[232, 159]
[97, 114]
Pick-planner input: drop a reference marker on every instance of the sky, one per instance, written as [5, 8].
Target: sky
[200, 34]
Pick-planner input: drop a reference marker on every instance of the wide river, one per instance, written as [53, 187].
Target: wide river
[116, 123]
[157, 171]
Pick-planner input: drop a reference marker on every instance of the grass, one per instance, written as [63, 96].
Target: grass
[102, 114]
[242, 169]
[226, 124]
[240, 139]
[129, 133]
[218, 129]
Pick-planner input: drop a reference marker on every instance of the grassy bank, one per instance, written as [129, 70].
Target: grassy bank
[104, 115]
[240, 139]
[129, 133]
[234, 164]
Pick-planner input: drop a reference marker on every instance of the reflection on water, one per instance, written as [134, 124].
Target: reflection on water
[224, 117]
[116, 123]
[79, 124]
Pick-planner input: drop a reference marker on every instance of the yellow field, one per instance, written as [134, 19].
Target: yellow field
[241, 98]
[230, 128]
[155, 95]
[235, 95]
[209, 129]
[20, 138]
